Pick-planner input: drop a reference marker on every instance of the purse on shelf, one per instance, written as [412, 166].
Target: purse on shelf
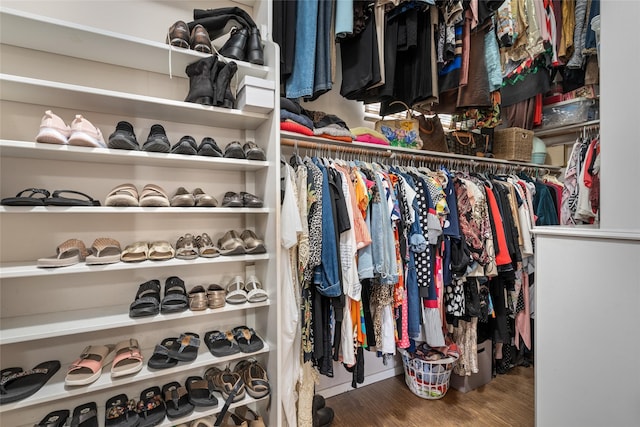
[432, 134]
[401, 132]
[467, 143]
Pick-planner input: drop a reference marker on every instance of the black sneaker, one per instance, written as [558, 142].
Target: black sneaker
[186, 145]
[208, 147]
[157, 140]
[123, 137]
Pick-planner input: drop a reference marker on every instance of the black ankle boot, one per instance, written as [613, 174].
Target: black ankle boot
[234, 48]
[323, 417]
[223, 94]
[200, 88]
[255, 55]
[318, 402]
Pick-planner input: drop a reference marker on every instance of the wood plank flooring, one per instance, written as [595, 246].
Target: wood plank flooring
[508, 400]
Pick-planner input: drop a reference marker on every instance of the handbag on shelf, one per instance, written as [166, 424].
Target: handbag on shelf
[432, 134]
[401, 132]
[464, 142]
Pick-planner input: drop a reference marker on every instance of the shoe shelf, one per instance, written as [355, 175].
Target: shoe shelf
[206, 412]
[127, 210]
[56, 389]
[36, 150]
[23, 29]
[41, 326]
[84, 98]
[9, 270]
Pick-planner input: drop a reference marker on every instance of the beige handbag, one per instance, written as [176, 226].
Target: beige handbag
[401, 132]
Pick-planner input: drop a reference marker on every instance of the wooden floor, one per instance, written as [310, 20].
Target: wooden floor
[508, 400]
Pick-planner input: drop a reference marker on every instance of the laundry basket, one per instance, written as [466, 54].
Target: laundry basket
[428, 379]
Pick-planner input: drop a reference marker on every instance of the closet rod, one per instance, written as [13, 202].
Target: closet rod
[384, 151]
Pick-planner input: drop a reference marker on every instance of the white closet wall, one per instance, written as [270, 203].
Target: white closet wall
[108, 61]
[587, 290]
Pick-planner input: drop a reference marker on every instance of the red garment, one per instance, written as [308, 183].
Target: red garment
[295, 127]
[502, 251]
[537, 114]
[558, 192]
[587, 162]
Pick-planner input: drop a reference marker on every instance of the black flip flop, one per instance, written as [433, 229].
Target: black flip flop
[85, 415]
[121, 412]
[176, 398]
[221, 344]
[247, 339]
[16, 384]
[57, 200]
[36, 197]
[55, 419]
[160, 358]
[185, 348]
[201, 392]
[151, 407]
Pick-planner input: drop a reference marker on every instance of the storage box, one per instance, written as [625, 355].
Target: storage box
[570, 112]
[256, 95]
[485, 372]
[513, 144]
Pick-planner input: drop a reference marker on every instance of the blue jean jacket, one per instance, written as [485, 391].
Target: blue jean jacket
[326, 276]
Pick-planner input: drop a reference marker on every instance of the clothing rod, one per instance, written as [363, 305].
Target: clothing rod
[389, 152]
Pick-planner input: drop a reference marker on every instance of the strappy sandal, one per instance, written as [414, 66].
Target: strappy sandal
[88, 367]
[151, 408]
[225, 381]
[243, 413]
[255, 292]
[147, 301]
[252, 244]
[247, 339]
[220, 343]
[135, 252]
[128, 358]
[235, 291]
[215, 296]
[161, 250]
[205, 246]
[198, 299]
[68, 253]
[175, 296]
[36, 197]
[255, 378]
[57, 199]
[176, 398]
[121, 412]
[231, 244]
[201, 391]
[183, 198]
[186, 248]
[104, 250]
[123, 195]
[154, 196]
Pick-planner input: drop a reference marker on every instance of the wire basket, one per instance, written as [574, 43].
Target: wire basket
[428, 379]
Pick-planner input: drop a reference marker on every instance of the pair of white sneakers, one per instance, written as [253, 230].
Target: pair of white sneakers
[53, 130]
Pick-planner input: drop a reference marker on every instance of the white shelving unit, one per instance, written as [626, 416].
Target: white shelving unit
[52, 314]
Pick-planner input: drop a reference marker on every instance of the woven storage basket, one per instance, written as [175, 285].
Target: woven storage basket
[513, 144]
